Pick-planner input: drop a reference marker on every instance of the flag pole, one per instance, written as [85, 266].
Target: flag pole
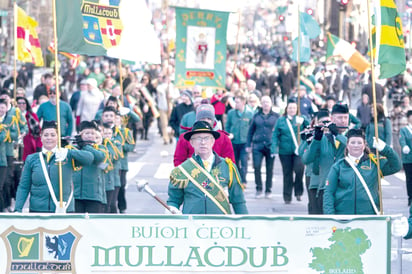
[15, 51]
[237, 44]
[121, 82]
[298, 82]
[375, 114]
[57, 85]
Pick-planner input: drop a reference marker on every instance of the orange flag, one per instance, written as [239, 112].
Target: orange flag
[28, 45]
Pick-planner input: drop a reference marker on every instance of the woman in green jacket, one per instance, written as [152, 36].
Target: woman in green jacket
[352, 184]
[285, 143]
[44, 197]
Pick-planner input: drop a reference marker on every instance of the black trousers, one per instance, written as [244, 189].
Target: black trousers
[8, 188]
[292, 166]
[3, 175]
[408, 175]
[89, 206]
[257, 155]
[121, 197]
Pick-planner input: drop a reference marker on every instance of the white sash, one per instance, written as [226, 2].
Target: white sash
[350, 162]
[52, 194]
[409, 128]
[292, 132]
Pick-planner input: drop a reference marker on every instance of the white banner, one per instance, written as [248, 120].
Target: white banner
[193, 244]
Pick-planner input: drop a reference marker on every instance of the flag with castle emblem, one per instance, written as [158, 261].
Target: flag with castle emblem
[119, 29]
[27, 44]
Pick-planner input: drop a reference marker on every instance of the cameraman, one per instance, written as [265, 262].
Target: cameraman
[326, 148]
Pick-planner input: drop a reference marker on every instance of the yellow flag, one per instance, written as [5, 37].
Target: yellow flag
[28, 45]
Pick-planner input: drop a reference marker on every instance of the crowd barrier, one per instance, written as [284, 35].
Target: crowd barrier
[194, 244]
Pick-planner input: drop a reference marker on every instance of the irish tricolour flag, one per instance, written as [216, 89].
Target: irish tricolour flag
[342, 48]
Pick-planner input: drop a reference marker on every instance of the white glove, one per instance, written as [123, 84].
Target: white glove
[297, 151]
[102, 165]
[379, 144]
[61, 154]
[173, 210]
[299, 120]
[231, 136]
[406, 150]
[400, 227]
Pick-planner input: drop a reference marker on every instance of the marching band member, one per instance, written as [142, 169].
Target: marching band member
[205, 183]
[40, 175]
[88, 183]
[352, 183]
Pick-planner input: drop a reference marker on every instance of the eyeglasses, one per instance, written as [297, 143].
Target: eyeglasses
[201, 139]
[21, 103]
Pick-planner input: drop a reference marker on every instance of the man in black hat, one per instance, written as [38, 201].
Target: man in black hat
[205, 183]
[326, 149]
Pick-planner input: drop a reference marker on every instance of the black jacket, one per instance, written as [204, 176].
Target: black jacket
[261, 129]
[176, 116]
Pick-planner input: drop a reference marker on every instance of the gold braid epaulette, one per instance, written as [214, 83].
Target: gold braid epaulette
[75, 168]
[117, 152]
[375, 160]
[178, 179]
[231, 170]
[106, 157]
[129, 137]
[117, 131]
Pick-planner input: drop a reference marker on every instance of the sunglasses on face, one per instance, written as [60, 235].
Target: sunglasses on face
[21, 103]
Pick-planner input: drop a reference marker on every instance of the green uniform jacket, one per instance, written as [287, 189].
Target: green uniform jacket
[47, 112]
[112, 177]
[405, 139]
[15, 122]
[282, 141]
[195, 201]
[323, 154]
[238, 124]
[344, 192]
[6, 146]
[187, 121]
[32, 181]
[88, 182]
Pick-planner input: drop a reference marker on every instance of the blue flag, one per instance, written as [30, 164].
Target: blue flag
[309, 29]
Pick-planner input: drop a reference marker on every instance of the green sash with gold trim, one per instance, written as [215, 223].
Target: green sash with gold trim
[206, 183]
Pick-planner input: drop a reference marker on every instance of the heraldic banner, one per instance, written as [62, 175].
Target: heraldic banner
[158, 244]
[119, 29]
[200, 47]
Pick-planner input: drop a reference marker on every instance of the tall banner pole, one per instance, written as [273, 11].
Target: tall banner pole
[121, 82]
[15, 51]
[57, 85]
[237, 44]
[298, 76]
[375, 115]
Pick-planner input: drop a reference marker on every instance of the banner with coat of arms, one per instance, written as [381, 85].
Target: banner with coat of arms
[115, 28]
[200, 47]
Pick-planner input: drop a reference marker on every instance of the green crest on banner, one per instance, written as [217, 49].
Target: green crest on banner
[200, 48]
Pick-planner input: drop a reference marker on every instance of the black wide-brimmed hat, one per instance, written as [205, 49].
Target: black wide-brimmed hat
[201, 127]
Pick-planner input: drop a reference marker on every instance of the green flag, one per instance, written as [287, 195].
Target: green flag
[200, 47]
[114, 28]
[389, 52]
